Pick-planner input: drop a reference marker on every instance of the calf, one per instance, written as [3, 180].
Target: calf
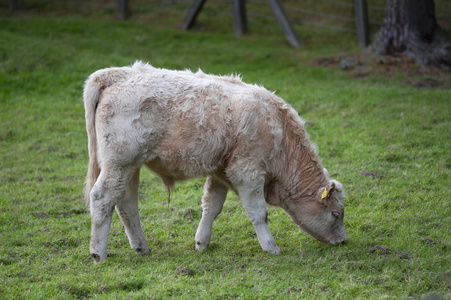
[183, 125]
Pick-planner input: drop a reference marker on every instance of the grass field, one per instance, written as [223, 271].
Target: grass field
[386, 141]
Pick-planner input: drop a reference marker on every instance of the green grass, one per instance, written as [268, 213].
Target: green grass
[388, 143]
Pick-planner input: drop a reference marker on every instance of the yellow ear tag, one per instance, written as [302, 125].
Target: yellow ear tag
[324, 194]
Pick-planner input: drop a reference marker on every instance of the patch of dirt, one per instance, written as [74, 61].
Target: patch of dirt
[426, 83]
[293, 290]
[386, 251]
[40, 215]
[373, 174]
[403, 255]
[430, 241]
[361, 64]
[10, 179]
[181, 271]
[380, 250]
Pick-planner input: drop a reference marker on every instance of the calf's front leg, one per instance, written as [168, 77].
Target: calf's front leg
[252, 197]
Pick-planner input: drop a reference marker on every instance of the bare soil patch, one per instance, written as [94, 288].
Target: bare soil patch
[362, 64]
[380, 250]
[181, 271]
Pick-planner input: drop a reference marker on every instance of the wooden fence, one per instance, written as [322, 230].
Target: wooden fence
[308, 12]
[355, 16]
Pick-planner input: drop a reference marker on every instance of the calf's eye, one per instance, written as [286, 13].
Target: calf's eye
[336, 214]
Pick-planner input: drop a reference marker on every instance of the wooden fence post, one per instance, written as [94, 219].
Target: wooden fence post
[361, 18]
[123, 9]
[192, 14]
[13, 4]
[239, 17]
[291, 35]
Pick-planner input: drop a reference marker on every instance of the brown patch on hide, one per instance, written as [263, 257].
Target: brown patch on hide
[110, 76]
[210, 91]
[120, 147]
[147, 104]
[215, 114]
[107, 76]
[104, 109]
[151, 114]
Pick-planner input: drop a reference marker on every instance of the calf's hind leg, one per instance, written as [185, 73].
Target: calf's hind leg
[108, 190]
[127, 208]
[212, 201]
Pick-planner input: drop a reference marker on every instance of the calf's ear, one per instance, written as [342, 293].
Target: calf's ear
[326, 191]
[333, 186]
[324, 194]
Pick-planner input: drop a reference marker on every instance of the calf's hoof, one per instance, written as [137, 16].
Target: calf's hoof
[271, 247]
[201, 246]
[142, 250]
[274, 251]
[96, 257]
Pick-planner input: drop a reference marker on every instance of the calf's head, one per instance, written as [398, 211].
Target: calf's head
[321, 214]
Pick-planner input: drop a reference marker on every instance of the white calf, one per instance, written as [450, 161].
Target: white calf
[183, 125]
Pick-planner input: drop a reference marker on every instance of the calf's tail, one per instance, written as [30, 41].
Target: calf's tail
[94, 86]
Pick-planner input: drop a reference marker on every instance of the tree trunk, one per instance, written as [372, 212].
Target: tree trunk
[410, 28]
